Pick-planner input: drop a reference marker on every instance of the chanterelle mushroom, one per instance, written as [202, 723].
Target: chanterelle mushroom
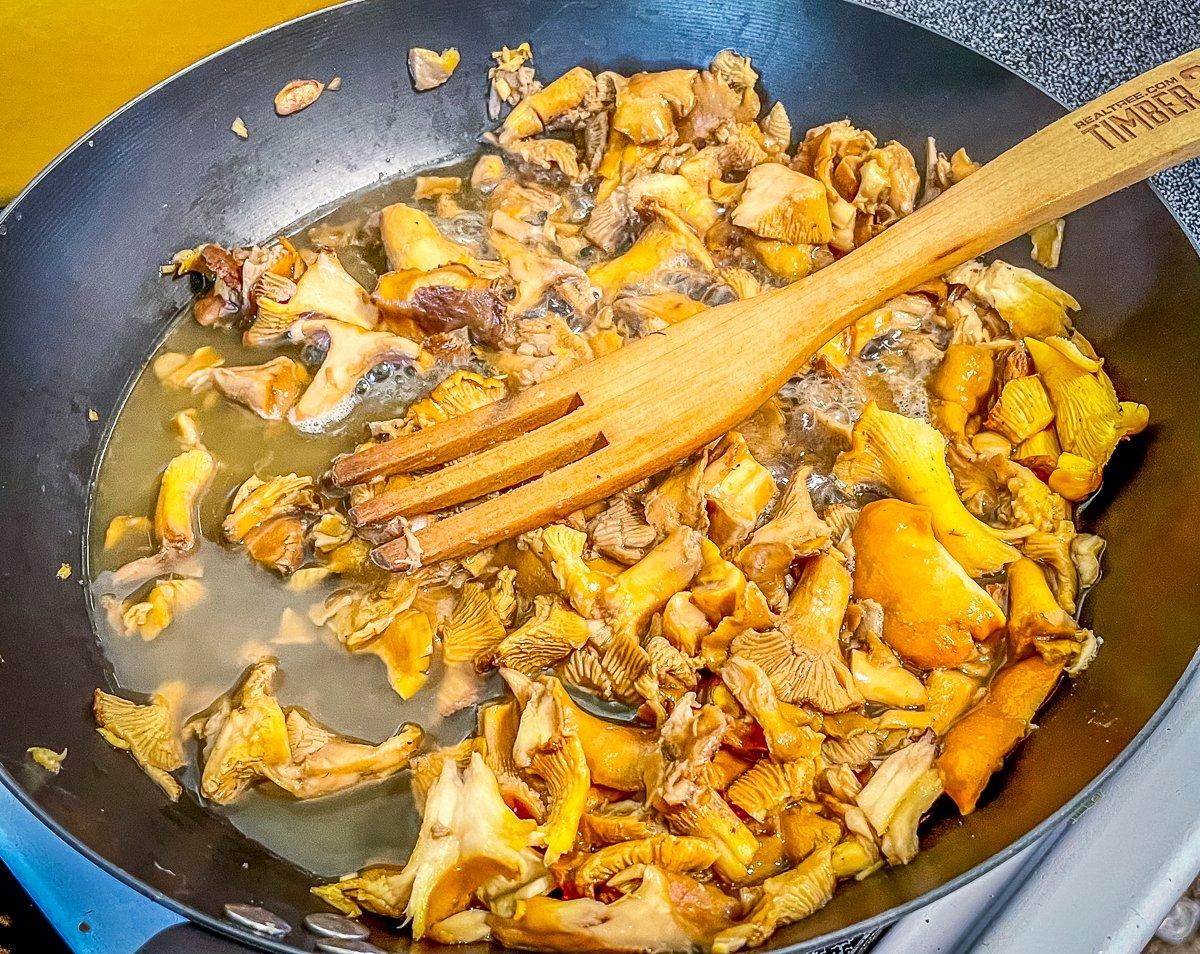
[649, 104]
[326, 290]
[932, 610]
[430, 69]
[548, 746]
[176, 528]
[147, 732]
[803, 658]
[351, 353]
[908, 457]
[470, 842]
[323, 762]
[269, 390]
[780, 203]
[653, 917]
[247, 736]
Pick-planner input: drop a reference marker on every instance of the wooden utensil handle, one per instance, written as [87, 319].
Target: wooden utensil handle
[1141, 127]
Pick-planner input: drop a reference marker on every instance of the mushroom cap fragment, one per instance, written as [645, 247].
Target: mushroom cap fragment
[553, 101]
[187, 372]
[768, 785]
[737, 489]
[548, 746]
[646, 919]
[325, 290]
[649, 103]
[975, 747]
[561, 547]
[430, 69]
[549, 636]
[474, 630]
[412, 241]
[932, 611]
[260, 500]
[1022, 409]
[1088, 417]
[794, 531]
[248, 736]
[617, 753]
[323, 762]
[149, 616]
[786, 898]
[468, 837]
[668, 852]
[376, 889]
[782, 204]
[269, 390]
[352, 352]
[1035, 619]
[406, 647]
[147, 732]
[644, 589]
[443, 299]
[245, 733]
[802, 658]
[786, 740]
[666, 243]
[185, 479]
[908, 457]
[654, 191]
[1032, 306]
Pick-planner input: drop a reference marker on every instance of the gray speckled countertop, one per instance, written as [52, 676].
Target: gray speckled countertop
[1075, 49]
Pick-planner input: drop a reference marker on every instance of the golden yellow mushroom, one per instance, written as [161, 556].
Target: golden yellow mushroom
[785, 899]
[666, 243]
[794, 531]
[908, 457]
[803, 658]
[649, 103]
[738, 489]
[468, 838]
[668, 852]
[932, 611]
[530, 116]
[411, 240]
[548, 746]
[325, 289]
[1088, 417]
[782, 204]
[147, 732]
[1030, 304]
[976, 746]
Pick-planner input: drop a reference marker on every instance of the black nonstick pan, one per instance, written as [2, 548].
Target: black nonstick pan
[82, 303]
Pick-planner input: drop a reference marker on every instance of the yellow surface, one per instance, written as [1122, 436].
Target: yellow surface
[66, 64]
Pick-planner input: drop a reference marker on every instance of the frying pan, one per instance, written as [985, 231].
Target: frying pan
[82, 305]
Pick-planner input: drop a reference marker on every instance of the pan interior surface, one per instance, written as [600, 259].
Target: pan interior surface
[79, 258]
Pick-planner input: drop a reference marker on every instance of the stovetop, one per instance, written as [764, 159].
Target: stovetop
[1102, 882]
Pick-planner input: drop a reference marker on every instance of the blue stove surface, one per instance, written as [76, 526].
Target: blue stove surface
[93, 911]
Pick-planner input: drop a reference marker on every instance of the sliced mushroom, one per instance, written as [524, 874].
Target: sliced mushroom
[430, 69]
[269, 390]
[325, 289]
[350, 353]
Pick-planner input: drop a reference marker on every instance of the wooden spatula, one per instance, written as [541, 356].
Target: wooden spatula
[591, 432]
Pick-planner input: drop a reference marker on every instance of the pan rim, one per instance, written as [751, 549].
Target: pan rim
[1071, 809]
